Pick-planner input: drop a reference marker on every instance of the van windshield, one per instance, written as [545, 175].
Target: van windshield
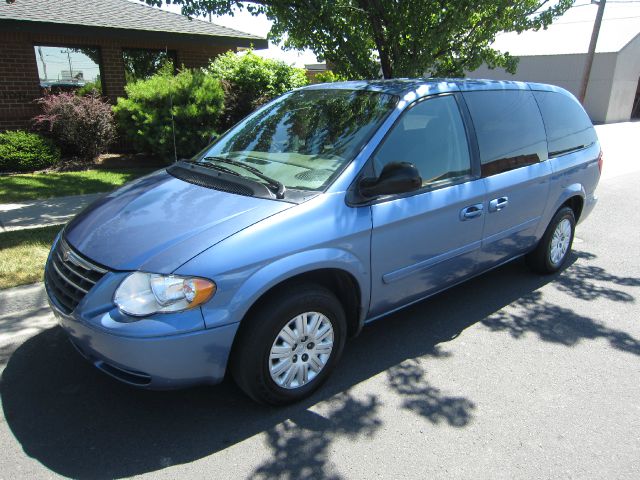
[304, 139]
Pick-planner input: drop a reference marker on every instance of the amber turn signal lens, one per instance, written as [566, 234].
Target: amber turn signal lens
[198, 290]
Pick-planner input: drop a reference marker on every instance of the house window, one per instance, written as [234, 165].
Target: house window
[65, 68]
[141, 63]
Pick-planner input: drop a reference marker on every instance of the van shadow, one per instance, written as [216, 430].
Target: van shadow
[81, 424]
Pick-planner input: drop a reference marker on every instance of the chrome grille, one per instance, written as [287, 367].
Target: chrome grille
[70, 276]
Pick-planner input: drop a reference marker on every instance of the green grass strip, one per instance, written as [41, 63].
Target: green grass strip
[23, 254]
[35, 186]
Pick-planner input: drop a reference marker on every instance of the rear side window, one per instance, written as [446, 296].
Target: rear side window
[509, 129]
[568, 126]
[430, 135]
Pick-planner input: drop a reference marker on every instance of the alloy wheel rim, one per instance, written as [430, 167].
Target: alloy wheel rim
[301, 350]
[560, 242]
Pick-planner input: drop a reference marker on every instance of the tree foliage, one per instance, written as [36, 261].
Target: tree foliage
[250, 81]
[328, 76]
[140, 63]
[401, 37]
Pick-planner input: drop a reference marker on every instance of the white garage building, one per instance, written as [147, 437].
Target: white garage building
[557, 56]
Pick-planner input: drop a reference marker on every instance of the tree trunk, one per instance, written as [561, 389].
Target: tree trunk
[378, 37]
[385, 62]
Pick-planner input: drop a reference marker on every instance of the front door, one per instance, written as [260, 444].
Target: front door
[424, 242]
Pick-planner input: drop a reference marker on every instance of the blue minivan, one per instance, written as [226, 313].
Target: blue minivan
[324, 210]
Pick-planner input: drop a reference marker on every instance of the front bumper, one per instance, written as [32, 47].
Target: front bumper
[170, 351]
[155, 362]
[162, 351]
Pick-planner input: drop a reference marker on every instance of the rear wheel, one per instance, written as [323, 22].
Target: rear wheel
[555, 245]
[289, 345]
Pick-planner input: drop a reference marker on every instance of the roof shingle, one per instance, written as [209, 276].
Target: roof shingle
[121, 14]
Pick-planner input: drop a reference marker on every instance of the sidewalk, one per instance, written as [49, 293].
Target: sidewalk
[40, 213]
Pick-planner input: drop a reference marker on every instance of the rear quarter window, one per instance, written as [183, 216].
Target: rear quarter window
[568, 125]
[509, 129]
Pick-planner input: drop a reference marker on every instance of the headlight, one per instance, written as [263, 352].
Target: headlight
[142, 294]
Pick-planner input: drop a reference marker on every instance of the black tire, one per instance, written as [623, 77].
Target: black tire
[540, 259]
[250, 364]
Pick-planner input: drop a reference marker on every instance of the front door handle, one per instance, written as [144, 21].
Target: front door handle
[498, 204]
[472, 211]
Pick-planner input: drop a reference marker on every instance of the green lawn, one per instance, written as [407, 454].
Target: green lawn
[23, 254]
[32, 186]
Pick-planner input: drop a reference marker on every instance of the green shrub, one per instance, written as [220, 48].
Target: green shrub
[194, 98]
[250, 80]
[91, 88]
[22, 151]
[328, 77]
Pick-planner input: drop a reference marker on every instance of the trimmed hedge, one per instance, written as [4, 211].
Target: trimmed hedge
[22, 151]
[193, 98]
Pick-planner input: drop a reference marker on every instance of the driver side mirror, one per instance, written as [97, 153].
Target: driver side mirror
[396, 177]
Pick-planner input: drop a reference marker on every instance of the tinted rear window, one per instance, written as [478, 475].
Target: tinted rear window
[568, 126]
[509, 129]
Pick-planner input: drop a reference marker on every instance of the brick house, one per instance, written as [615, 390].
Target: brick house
[100, 41]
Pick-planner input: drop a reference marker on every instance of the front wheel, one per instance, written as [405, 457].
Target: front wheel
[289, 345]
[555, 245]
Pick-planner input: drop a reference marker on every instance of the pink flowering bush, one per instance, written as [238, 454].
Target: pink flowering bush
[83, 126]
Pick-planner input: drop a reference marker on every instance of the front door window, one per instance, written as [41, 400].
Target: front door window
[430, 135]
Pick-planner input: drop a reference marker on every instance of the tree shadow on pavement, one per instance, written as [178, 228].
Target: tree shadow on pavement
[81, 424]
[557, 324]
[299, 444]
[590, 282]
[409, 380]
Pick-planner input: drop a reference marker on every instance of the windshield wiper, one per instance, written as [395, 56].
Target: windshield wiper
[217, 167]
[272, 182]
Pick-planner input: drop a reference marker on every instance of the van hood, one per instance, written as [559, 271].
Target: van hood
[159, 222]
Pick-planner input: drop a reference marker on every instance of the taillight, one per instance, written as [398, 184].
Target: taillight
[600, 162]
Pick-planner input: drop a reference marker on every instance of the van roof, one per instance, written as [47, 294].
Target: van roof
[427, 86]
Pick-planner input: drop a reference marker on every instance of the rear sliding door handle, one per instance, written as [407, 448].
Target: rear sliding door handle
[498, 204]
[472, 211]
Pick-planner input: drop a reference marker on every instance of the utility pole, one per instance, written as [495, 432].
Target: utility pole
[592, 50]
[68, 52]
[44, 64]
